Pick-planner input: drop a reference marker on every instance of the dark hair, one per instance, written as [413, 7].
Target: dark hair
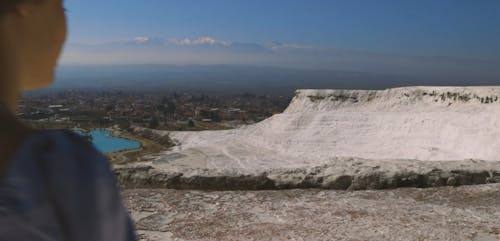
[9, 5]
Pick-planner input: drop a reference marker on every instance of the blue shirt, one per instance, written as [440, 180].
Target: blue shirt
[59, 187]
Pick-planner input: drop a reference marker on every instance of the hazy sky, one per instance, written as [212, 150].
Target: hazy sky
[433, 26]
[460, 30]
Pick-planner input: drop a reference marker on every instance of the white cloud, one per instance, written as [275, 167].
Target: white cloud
[199, 41]
[276, 46]
[141, 39]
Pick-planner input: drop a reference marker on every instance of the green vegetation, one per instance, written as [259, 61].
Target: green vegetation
[461, 97]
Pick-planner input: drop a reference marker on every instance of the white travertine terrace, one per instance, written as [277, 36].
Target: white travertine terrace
[421, 123]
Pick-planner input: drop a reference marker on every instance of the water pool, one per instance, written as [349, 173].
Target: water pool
[107, 144]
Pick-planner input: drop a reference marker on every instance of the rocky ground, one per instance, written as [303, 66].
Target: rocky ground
[445, 213]
[335, 165]
[339, 174]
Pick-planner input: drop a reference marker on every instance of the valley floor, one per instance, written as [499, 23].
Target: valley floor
[445, 213]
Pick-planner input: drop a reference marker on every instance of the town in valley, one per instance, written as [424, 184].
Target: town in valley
[169, 110]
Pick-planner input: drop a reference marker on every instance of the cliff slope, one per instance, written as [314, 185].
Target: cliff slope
[327, 135]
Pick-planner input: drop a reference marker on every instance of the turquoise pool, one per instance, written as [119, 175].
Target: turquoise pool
[108, 144]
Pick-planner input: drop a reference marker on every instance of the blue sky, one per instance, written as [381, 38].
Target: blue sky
[440, 27]
[451, 28]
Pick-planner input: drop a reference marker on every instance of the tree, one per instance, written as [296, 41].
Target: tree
[171, 107]
[153, 123]
[108, 108]
[124, 125]
[191, 123]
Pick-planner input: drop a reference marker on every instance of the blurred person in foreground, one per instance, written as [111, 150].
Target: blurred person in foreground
[54, 184]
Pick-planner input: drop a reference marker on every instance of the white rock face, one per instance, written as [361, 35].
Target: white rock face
[341, 139]
[421, 123]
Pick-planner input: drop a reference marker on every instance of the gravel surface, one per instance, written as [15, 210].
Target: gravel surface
[446, 213]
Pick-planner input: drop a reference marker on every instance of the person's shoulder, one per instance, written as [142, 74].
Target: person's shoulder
[67, 149]
[66, 138]
[40, 143]
[67, 141]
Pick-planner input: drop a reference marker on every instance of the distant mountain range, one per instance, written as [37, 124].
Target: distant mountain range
[258, 79]
[210, 51]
